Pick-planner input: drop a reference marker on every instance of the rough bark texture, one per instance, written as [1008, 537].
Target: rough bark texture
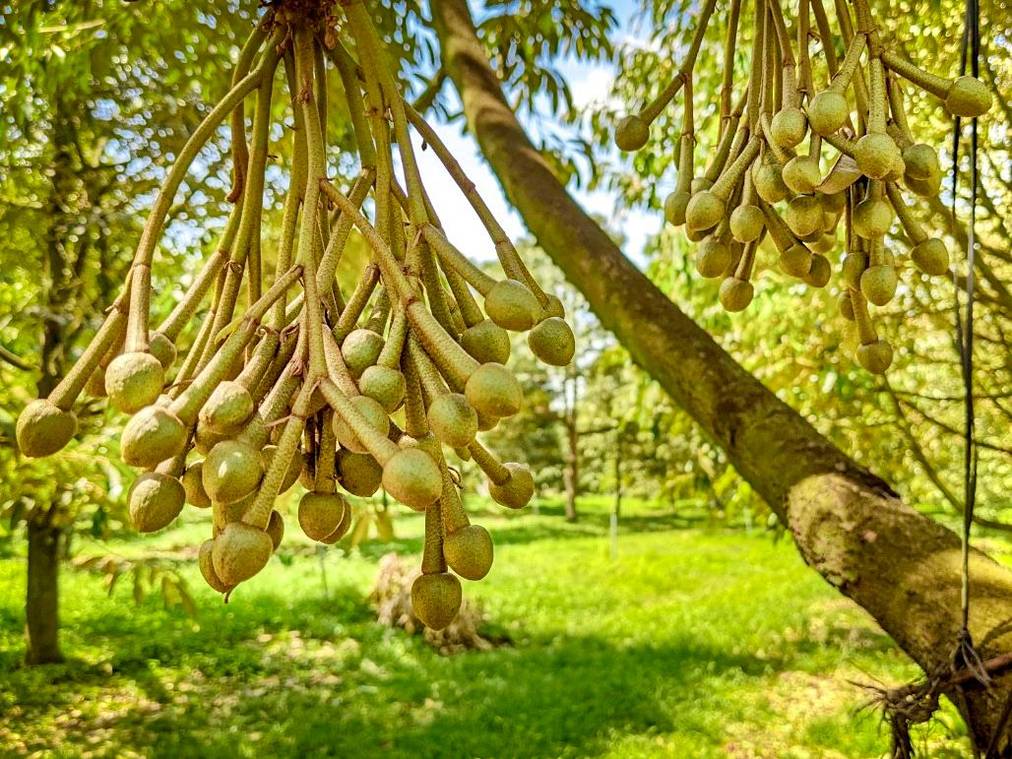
[42, 607]
[848, 524]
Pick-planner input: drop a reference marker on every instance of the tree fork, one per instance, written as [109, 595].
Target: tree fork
[848, 524]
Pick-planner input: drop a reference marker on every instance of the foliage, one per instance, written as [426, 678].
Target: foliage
[696, 642]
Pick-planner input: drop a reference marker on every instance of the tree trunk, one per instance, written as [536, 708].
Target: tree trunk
[42, 598]
[571, 473]
[849, 525]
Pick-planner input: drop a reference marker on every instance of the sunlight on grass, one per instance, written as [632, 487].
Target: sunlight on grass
[694, 642]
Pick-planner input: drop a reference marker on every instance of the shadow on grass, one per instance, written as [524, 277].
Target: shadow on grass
[251, 687]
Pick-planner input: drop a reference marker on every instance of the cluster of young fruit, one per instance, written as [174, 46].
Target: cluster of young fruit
[362, 390]
[766, 178]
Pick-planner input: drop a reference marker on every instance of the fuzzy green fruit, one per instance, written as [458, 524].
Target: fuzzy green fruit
[360, 349]
[435, 599]
[43, 429]
[152, 435]
[384, 385]
[552, 341]
[133, 381]
[453, 420]
[631, 133]
[517, 491]
[512, 305]
[486, 342]
[735, 294]
[231, 471]
[239, 552]
[469, 551]
[712, 257]
[492, 389]
[412, 477]
[155, 500]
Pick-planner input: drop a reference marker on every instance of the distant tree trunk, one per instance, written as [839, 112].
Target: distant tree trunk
[42, 623]
[42, 598]
[848, 524]
[571, 457]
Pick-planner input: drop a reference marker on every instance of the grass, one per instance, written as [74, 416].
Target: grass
[693, 642]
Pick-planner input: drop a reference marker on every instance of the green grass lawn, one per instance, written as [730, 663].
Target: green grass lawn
[694, 642]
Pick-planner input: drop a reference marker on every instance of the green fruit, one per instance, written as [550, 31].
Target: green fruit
[768, 180]
[206, 565]
[827, 112]
[554, 307]
[552, 341]
[876, 155]
[846, 306]
[712, 257]
[788, 127]
[226, 513]
[735, 294]
[926, 188]
[193, 486]
[155, 499]
[631, 133]
[276, 529]
[921, 161]
[229, 407]
[705, 210]
[231, 471]
[239, 552]
[872, 218]
[802, 174]
[931, 257]
[512, 305]
[878, 283]
[436, 599]
[43, 428]
[967, 97]
[747, 223]
[359, 473]
[492, 389]
[384, 385]
[412, 477]
[804, 215]
[468, 551]
[819, 273]
[796, 261]
[823, 244]
[453, 420]
[360, 349]
[204, 438]
[342, 528]
[152, 435]
[486, 342]
[674, 207]
[374, 414]
[875, 357]
[320, 514]
[163, 349]
[517, 491]
[133, 381]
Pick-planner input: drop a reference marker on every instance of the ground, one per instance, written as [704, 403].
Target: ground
[694, 641]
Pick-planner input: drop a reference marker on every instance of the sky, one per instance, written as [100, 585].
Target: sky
[589, 83]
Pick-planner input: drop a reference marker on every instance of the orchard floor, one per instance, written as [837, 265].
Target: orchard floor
[693, 642]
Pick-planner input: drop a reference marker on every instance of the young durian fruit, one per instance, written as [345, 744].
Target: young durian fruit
[231, 471]
[134, 380]
[239, 552]
[155, 499]
[359, 473]
[43, 428]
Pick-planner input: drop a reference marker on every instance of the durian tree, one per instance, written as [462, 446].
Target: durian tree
[848, 524]
[70, 80]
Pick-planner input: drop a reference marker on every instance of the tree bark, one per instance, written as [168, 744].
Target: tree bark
[848, 524]
[571, 472]
[42, 598]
